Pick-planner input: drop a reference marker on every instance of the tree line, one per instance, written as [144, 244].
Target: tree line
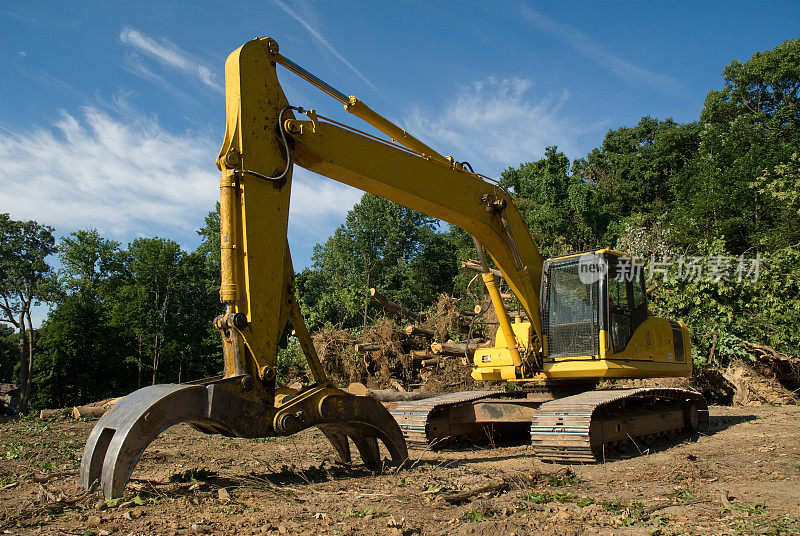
[723, 186]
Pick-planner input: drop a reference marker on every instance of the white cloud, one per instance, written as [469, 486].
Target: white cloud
[168, 54]
[324, 42]
[579, 42]
[318, 204]
[495, 122]
[125, 175]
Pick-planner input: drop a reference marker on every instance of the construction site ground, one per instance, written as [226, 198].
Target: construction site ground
[742, 477]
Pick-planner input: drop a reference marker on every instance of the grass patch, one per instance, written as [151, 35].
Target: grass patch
[473, 516]
[364, 512]
[544, 497]
[681, 495]
[197, 474]
[568, 478]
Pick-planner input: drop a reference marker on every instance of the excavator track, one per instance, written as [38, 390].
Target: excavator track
[579, 428]
[415, 417]
[582, 428]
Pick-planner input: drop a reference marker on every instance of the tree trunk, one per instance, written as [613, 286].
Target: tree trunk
[457, 349]
[393, 307]
[24, 367]
[366, 302]
[139, 360]
[420, 331]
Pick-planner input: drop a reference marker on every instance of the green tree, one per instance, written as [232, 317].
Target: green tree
[748, 126]
[149, 297]
[24, 247]
[558, 206]
[381, 244]
[82, 351]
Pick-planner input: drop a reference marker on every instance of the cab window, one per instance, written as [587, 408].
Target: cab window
[627, 301]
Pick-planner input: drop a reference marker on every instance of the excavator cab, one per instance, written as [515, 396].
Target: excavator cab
[595, 325]
[590, 293]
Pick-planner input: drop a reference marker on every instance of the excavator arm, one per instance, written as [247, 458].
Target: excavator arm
[263, 135]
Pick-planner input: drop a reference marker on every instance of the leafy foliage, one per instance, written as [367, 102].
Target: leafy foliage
[383, 245]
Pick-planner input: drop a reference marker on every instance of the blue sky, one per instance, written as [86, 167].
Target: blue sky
[112, 113]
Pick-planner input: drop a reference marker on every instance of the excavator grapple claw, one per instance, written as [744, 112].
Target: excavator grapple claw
[120, 436]
[364, 420]
[225, 407]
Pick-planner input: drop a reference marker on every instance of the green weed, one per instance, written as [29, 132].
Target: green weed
[200, 474]
[568, 478]
[544, 497]
[474, 516]
[364, 512]
[681, 495]
[631, 512]
[13, 451]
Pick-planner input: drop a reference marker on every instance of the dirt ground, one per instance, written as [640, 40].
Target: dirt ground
[742, 477]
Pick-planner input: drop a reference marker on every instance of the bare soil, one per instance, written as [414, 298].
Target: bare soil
[742, 477]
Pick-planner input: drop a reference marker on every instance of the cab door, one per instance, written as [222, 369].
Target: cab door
[626, 300]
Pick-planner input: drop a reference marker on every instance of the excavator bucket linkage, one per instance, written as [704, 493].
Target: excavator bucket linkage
[233, 407]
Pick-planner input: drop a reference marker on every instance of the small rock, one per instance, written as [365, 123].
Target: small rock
[93, 521]
[200, 529]
[223, 495]
[103, 532]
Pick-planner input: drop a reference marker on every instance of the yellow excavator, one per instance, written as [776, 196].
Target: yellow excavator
[585, 314]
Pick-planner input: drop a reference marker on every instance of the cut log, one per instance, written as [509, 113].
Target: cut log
[358, 389]
[476, 266]
[393, 307]
[478, 309]
[367, 346]
[88, 412]
[94, 410]
[412, 331]
[51, 413]
[432, 362]
[421, 355]
[385, 395]
[390, 395]
[457, 348]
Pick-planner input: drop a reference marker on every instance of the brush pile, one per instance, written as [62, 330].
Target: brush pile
[430, 350]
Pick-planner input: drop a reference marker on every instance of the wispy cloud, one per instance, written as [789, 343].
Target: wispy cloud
[167, 54]
[117, 170]
[596, 52]
[322, 41]
[496, 123]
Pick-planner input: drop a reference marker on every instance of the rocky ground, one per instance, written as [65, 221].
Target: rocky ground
[742, 477]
